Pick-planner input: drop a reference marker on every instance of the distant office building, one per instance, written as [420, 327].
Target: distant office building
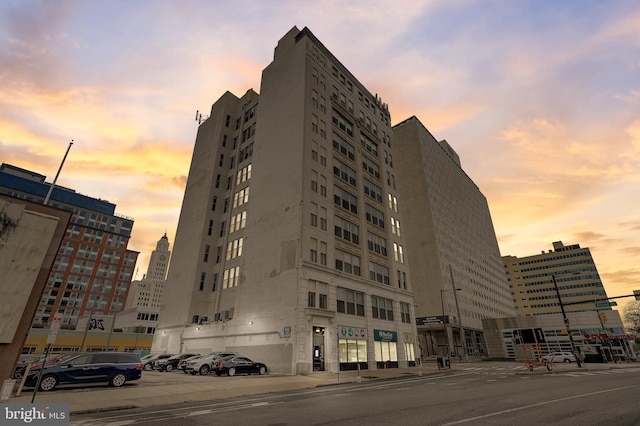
[531, 280]
[93, 268]
[146, 295]
[288, 247]
[456, 270]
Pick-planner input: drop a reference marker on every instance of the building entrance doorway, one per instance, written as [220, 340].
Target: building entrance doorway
[318, 348]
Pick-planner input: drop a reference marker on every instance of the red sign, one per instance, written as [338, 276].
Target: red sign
[604, 336]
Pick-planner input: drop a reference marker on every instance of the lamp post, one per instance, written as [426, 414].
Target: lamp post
[444, 321]
[566, 321]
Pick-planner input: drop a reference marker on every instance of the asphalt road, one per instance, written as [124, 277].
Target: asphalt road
[475, 396]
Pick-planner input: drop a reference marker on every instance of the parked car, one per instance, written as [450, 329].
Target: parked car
[22, 364]
[169, 364]
[51, 359]
[206, 364]
[182, 365]
[116, 368]
[147, 363]
[239, 365]
[560, 357]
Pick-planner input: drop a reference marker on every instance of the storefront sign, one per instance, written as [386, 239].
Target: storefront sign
[408, 337]
[385, 336]
[605, 336]
[431, 320]
[352, 332]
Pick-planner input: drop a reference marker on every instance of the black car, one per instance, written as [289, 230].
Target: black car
[169, 364]
[233, 365]
[116, 368]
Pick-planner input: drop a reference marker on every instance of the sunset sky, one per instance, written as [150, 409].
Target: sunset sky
[541, 100]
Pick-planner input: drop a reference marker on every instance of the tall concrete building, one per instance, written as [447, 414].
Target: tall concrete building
[93, 267]
[531, 280]
[456, 269]
[146, 295]
[287, 248]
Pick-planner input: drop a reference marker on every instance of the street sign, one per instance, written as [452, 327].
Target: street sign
[605, 304]
[55, 326]
[636, 293]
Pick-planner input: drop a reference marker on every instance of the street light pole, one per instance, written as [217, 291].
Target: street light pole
[444, 323]
[566, 321]
[463, 336]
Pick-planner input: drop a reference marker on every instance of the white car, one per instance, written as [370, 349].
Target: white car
[560, 357]
[206, 364]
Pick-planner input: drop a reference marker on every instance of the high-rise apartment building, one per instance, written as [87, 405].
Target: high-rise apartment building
[531, 280]
[93, 268]
[288, 247]
[456, 270]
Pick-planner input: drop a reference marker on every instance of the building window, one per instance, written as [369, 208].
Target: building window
[349, 302]
[238, 221]
[368, 144]
[203, 276]
[405, 314]
[342, 123]
[214, 202]
[346, 200]
[393, 203]
[376, 243]
[347, 230]
[241, 197]
[344, 172]
[206, 253]
[398, 254]
[372, 168]
[374, 216]
[378, 273]
[348, 263]
[230, 277]
[372, 190]
[311, 300]
[234, 248]
[395, 226]
[344, 147]
[381, 308]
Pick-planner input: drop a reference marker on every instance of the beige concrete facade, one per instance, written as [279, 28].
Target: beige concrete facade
[531, 281]
[287, 248]
[456, 268]
[30, 236]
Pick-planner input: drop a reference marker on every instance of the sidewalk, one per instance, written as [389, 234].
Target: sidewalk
[161, 388]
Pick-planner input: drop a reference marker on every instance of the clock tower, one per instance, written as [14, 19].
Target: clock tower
[159, 261]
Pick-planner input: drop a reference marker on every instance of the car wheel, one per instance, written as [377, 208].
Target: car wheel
[567, 360]
[48, 383]
[262, 371]
[204, 370]
[118, 380]
[148, 367]
[169, 367]
[231, 372]
[531, 368]
[18, 373]
[185, 371]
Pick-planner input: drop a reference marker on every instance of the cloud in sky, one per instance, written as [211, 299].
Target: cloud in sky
[540, 99]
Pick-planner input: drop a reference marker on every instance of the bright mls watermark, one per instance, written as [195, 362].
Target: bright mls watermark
[34, 414]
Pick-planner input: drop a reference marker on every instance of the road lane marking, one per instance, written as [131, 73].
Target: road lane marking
[525, 407]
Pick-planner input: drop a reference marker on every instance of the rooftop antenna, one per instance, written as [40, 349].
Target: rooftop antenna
[46, 199]
[200, 118]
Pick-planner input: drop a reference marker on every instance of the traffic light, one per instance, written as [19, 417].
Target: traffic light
[603, 316]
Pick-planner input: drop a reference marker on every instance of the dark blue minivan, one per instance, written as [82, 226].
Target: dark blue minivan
[115, 368]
